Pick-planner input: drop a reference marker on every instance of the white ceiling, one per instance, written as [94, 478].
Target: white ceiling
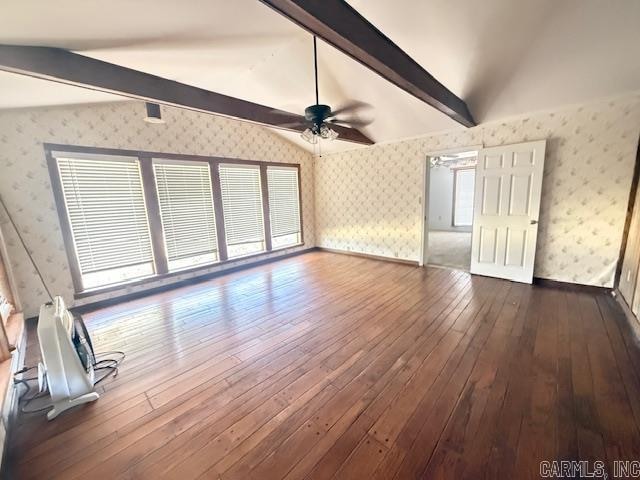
[504, 57]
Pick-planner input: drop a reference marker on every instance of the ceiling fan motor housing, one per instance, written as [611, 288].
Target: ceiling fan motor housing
[317, 113]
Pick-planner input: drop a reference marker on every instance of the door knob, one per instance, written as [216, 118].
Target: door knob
[534, 222]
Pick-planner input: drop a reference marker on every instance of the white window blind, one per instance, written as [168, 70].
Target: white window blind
[187, 214]
[463, 199]
[106, 210]
[284, 205]
[242, 209]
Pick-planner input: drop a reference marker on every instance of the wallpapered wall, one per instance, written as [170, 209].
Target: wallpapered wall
[26, 188]
[369, 200]
[366, 200]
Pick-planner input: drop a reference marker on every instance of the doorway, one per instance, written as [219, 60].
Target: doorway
[503, 227]
[450, 182]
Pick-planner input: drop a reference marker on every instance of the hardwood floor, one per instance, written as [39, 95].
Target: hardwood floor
[329, 366]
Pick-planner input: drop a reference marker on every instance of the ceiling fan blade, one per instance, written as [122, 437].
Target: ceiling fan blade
[351, 106]
[295, 125]
[284, 119]
[351, 122]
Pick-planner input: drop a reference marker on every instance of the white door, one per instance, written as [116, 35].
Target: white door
[505, 217]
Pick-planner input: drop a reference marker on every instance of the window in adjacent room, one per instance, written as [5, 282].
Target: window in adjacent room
[241, 193]
[187, 213]
[105, 206]
[464, 182]
[284, 206]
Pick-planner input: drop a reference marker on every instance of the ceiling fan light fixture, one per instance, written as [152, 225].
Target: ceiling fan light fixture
[328, 133]
[315, 133]
[316, 114]
[154, 115]
[309, 136]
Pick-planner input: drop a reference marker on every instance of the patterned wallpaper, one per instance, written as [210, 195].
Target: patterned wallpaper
[368, 200]
[26, 188]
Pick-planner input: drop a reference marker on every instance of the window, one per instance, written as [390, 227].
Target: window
[107, 217]
[464, 183]
[187, 214]
[131, 215]
[241, 191]
[284, 206]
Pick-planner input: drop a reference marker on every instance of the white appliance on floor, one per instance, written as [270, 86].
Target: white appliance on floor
[67, 358]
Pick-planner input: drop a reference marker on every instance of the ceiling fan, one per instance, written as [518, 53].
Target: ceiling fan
[319, 117]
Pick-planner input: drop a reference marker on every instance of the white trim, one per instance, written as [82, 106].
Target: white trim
[424, 231]
[11, 400]
[13, 285]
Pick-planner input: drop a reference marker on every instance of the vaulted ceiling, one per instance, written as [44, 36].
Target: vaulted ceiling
[503, 57]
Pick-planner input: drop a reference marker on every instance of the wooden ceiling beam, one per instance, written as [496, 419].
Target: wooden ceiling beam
[70, 68]
[340, 25]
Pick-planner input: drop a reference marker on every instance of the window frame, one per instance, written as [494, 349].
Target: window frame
[158, 162]
[299, 233]
[153, 210]
[265, 210]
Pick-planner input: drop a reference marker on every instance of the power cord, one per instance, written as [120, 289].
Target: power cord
[27, 401]
[111, 366]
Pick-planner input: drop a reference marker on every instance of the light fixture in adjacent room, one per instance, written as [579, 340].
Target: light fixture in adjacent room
[154, 115]
[454, 160]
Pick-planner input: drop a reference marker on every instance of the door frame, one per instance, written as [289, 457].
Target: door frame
[424, 231]
[629, 245]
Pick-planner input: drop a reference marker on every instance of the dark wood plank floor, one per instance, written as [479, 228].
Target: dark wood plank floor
[329, 366]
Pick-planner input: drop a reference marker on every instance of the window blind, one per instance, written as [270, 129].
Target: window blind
[106, 211]
[242, 204]
[187, 212]
[284, 201]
